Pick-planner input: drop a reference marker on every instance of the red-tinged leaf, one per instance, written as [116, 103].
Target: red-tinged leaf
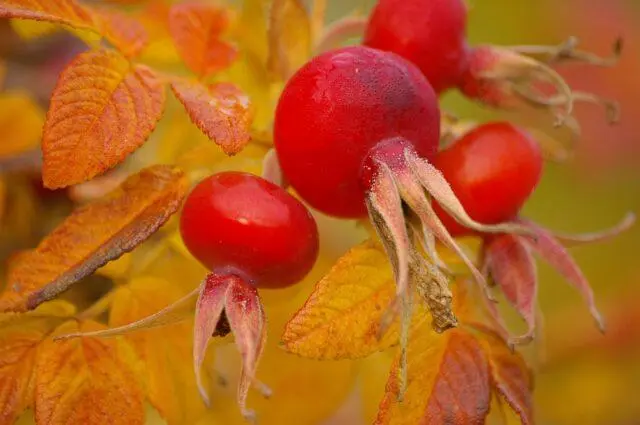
[448, 382]
[196, 29]
[102, 109]
[125, 33]
[243, 308]
[512, 267]
[510, 376]
[93, 235]
[557, 256]
[87, 381]
[221, 111]
[67, 12]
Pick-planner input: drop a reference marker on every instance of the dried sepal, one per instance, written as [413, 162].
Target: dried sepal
[600, 236]
[209, 308]
[242, 306]
[511, 265]
[249, 325]
[385, 210]
[176, 312]
[552, 251]
[500, 77]
[568, 51]
[433, 287]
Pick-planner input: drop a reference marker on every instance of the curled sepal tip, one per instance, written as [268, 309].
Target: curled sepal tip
[568, 51]
[174, 313]
[509, 263]
[600, 236]
[553, 252]
[501, 77]
[243, 309]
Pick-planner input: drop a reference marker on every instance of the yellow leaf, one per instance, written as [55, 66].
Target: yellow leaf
[304, 391]
[89, 381]
[289, 38]
[251, 29]
[341, 317]
[102, 109]
[93, 235]
[166, 352]
[21, 121]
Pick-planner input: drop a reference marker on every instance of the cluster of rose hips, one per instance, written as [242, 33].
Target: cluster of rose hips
[357, 133]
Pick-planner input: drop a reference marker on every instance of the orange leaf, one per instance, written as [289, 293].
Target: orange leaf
[167, 351]
[20, 124]
[66, 12]
[448, 382]
[125, 33]
[289, 37]
[196, 29]
[19, 340]
[93, 235]
[102, 109]
[341, 317]
[221, 111]
[87, 381]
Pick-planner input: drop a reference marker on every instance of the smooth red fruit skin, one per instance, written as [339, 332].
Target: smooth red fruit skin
[336, 108]
[429, 33]
[238, 221]
[492, 170]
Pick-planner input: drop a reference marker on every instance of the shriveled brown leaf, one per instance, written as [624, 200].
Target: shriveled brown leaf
[93, 235]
